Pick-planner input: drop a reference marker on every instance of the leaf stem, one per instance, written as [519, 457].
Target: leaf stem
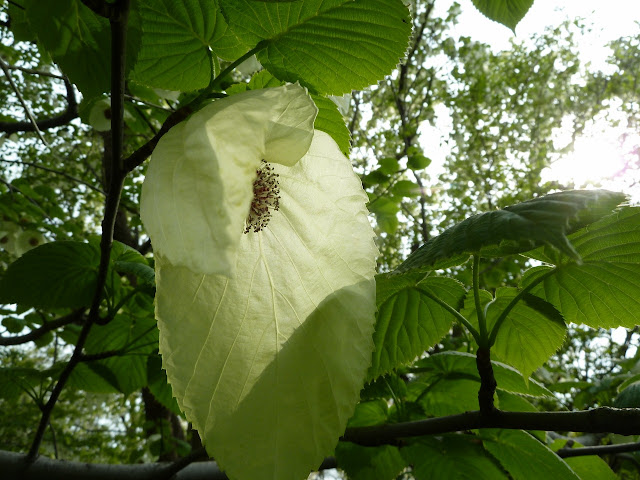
[215, 84]
[483, 341]
[461, 318]
[513, 302]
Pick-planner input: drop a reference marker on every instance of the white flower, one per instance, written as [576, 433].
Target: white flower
[265, 320]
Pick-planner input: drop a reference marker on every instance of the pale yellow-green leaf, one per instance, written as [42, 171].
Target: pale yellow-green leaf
[268, 365]
[199, 183]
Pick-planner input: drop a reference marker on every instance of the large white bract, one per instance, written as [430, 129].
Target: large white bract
[266, 336]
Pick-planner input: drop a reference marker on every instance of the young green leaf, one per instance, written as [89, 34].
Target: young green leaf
[464, 364]
[542, 221]
[369, 463]
[177, 40]
[507, 12]
[527, 337]
[56, 274]
[603, 291]
[451, 456]
[331, 47]
[410, 320]
[78, 40]
[524, 457]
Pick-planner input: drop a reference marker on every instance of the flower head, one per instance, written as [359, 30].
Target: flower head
[267, 362]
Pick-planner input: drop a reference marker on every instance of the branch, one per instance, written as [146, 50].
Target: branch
[100, 8]
[118, 25]
[64, 118]
[604, 419]
[47, 327]
[12, 464]
[57, 172]
[598, 450]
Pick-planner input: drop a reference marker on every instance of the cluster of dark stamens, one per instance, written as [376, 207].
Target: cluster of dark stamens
[266, 197]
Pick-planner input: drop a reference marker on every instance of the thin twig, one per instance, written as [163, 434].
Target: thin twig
[598, 450]
[26, 108]
[57, 172]
[47, 327]
[64, 118]
[118, 25]
[33, 71]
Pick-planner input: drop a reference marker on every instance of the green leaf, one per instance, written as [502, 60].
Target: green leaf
[524, 457]
[389, 165]
[512, 402]
[542, 221]
[93, 377]
[79, 41]
[445, 396]
[405, 188]
[527, 338]
[15, 381]
[332, 47]
[369, 463]
[330, 120]
[374, 412]
[385, 210]
[159, 386]
[144, 272]
[177, 36]
[603, 291]
[56, 275]
[409, 319]
[507, 12]
[418, 161]
[463, 365]
[629, 397]
[588, 467]
[451, 456]
[132, 338]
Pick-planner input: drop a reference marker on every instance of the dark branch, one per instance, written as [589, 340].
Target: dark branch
[44, 124]
[47, 327]
[118, 24]
[11, 465]
[599, 450]
[142, 153]
[100, 7]
[605, 419]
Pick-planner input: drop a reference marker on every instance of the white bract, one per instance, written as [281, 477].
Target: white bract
[266, 336]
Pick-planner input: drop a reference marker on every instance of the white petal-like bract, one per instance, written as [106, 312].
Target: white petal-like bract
[268, 364]
[199, 183]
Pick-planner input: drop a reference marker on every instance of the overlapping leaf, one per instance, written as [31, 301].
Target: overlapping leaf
[524, 457]
[603, 291]
[331, 46]
[507, 12]
[57, 274]
[463, 365]
[528, 336]
[177, 36]
[79, 41]
[542, 221]
[410, 320]
[451, 456]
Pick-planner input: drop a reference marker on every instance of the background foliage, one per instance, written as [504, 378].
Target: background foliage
[503, 109]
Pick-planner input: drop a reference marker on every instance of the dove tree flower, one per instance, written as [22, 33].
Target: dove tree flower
[265, 266]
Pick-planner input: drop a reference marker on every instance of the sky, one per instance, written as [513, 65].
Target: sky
[599, 155]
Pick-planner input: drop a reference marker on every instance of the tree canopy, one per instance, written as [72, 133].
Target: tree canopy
[224, 254]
